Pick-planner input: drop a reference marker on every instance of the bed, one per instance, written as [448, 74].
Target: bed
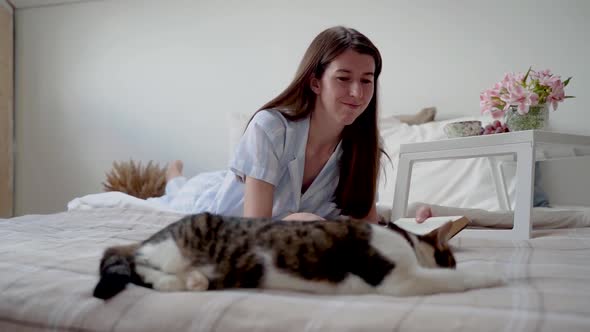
[49, 269]
[49, 263]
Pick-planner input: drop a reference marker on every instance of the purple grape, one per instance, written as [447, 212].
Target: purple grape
[499, 130]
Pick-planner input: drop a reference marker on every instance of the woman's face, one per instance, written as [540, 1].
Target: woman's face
[346, 87]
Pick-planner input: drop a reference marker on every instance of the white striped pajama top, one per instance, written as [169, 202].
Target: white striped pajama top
[272, 149]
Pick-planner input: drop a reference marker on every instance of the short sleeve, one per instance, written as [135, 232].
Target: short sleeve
[260, 149]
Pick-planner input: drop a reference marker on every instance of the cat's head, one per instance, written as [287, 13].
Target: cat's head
[432, 249]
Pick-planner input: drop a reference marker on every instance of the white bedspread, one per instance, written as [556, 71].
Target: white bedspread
[49, 266]
[559, 217]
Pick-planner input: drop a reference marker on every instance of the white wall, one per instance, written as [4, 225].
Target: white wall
[113, 80]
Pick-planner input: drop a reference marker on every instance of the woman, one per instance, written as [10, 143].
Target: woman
[313, 151]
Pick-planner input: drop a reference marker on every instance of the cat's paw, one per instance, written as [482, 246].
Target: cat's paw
[196, 281]
[169, 283]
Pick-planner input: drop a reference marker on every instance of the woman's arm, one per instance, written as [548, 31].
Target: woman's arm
[258, 198]
[424, 212]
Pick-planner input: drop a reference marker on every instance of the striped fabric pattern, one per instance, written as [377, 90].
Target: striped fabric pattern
[49, 266]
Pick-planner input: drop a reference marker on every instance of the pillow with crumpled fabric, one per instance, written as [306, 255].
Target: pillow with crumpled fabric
[460, 182]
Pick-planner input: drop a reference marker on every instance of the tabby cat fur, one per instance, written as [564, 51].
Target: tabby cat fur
[212, 252]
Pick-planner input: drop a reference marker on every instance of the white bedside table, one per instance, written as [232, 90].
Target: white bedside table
[526, 146]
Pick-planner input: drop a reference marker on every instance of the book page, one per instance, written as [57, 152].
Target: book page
[430, 224]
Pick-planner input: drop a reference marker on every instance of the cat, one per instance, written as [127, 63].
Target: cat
[211, 252]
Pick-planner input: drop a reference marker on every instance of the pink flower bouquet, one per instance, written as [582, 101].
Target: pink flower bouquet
[521, 91]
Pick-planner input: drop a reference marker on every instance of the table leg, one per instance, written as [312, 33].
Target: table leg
[525, 173]
[402, 187]
[499, 182]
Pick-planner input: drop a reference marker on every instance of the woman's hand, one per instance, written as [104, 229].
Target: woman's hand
[303, 216]
[424, 212]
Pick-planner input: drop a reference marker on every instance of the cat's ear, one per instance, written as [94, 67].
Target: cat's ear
[440, 236]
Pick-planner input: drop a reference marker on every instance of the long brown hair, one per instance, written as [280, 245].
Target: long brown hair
[359, 164]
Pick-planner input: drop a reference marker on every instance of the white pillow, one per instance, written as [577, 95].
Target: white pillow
[460, 183]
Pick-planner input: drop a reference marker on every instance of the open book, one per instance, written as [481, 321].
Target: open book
[432, 223]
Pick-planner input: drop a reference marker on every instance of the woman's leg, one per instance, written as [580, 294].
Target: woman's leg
[174, 169]
[174, 178]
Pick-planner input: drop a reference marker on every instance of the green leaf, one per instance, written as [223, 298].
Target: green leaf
[569, 97]
[566, 82]
[526, 75]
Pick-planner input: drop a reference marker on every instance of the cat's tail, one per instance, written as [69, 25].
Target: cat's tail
[116, 270]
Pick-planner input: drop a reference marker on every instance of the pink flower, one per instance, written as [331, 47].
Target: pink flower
[497, 113]
[537, 75]
[545, 77]
[514, 91]
[490, 102]
[521, 97]
[497, 89]
[557, 94]
[549, 81]
[511, 79]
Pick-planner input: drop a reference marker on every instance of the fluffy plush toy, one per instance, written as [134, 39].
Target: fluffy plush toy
[133, 179]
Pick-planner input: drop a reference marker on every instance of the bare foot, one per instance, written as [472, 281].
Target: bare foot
[424, 212]
[174, 169]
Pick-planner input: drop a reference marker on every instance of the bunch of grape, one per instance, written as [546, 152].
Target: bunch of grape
[495, 127]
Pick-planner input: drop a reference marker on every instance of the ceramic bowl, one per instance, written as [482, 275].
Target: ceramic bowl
[463, 129]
